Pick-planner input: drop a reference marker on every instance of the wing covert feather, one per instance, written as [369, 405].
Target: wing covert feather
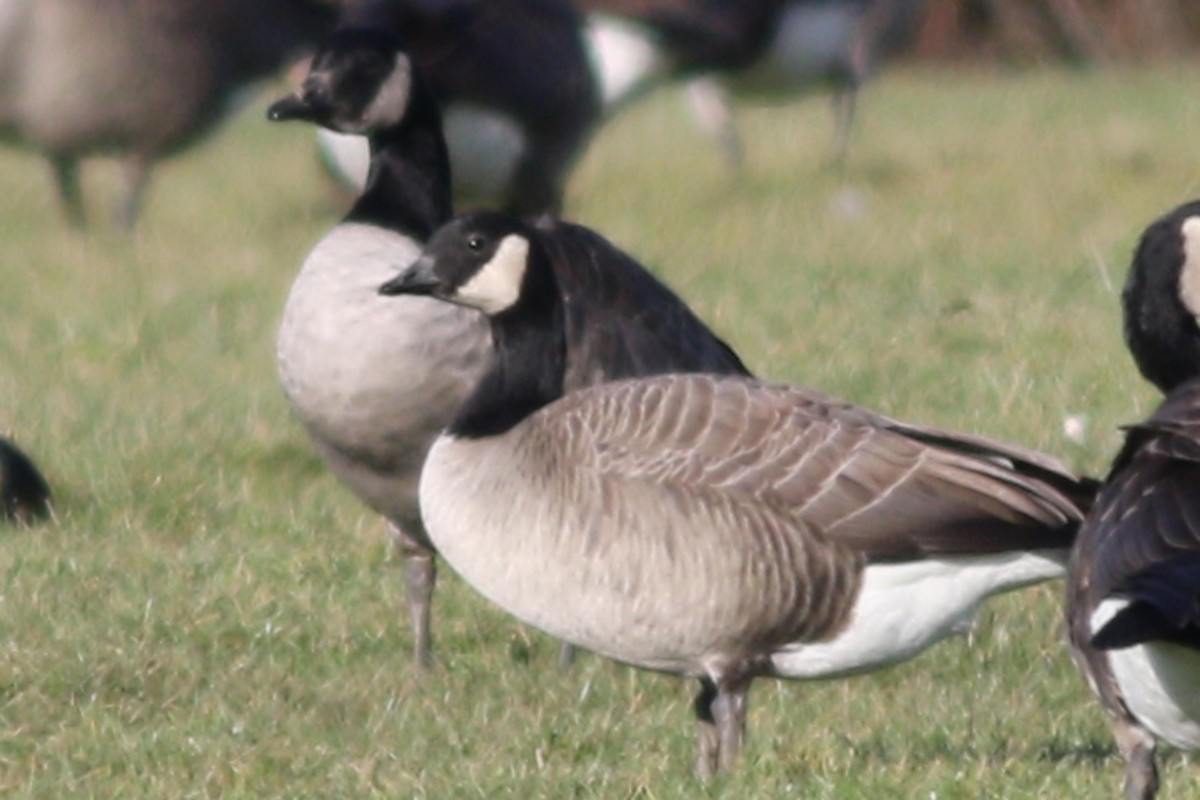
[825, 465]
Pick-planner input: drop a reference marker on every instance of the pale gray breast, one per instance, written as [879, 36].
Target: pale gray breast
[374, 379]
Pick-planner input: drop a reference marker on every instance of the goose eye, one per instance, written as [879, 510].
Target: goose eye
[475, 242]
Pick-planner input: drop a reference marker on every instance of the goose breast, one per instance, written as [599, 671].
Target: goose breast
[374, 379]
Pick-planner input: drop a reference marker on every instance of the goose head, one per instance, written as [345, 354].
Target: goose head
[493, 263]
[487, 261]
[1162, 299]
[360, 81]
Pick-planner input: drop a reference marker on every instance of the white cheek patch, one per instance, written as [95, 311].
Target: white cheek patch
[391, 101]
[497, 284]
[1189, 276]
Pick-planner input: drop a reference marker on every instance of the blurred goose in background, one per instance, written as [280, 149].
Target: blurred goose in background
[713, 526]
[1133, 603]
[24, 493]
[765, 50]
[374, 380]
[515, 87]
[140, 79]
[612, 52]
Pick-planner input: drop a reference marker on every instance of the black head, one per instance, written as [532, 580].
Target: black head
[1162, 299]
[360, 81]
[24, 495]
[481, 260]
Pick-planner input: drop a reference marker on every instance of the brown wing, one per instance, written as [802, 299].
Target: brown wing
[853, 477]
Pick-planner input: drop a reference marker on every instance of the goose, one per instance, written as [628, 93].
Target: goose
[513, 81]
[755, 49]
[761, 50]
[374, 380]
[24, 494]
[1133, 599]
[141, 79]
[715, 526]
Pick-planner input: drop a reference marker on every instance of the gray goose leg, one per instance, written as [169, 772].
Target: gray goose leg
[1137, 748]
[721, 714]
[707, 740]
[66, 179]
[713, 111]
[420, 576]
[566, 655]
[729, 712]
[845, 102]
[136, 174]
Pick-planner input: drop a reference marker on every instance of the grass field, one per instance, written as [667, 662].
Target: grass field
[211, 615]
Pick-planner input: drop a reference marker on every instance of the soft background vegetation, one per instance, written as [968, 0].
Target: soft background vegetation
[212, 615]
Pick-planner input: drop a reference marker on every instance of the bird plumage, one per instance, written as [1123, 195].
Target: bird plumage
[374, 379]
[712, 525]
[1133, 594]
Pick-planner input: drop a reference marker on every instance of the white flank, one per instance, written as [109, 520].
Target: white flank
[1159, 682]
[624, 55]
[1189, 276]
[497, 284]
[904, 608]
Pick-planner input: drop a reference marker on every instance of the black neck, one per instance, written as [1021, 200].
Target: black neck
[408, 186]
[1171, 364]
[530, 360]
[1162, 334]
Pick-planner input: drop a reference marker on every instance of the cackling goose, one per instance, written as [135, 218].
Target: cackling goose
[1133, 601]
[374, 380]
[714, 526]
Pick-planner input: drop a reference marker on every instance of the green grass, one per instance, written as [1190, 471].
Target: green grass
[212, 615]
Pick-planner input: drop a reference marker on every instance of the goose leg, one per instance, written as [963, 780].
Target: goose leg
[1137, 748]
[420, 576]
[136, 171]
[721, 714]
[66, 179]
[712, 111]
[845, 101]
[729, 713]
[707, 740]
[566, 655]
